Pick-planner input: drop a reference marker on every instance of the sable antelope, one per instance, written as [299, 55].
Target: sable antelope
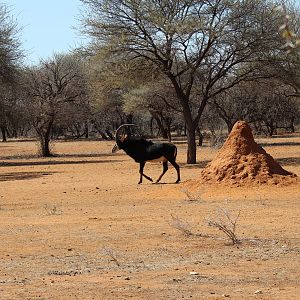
[143, 151]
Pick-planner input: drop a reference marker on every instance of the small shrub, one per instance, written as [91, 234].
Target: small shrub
[181, 225]
[225, 221]
[193, 196]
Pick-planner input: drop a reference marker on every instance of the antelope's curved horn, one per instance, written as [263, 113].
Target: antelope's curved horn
[123, 125]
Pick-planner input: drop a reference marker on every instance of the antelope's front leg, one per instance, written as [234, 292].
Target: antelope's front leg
[142, 164]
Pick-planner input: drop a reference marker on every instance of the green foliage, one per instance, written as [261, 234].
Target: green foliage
[136, 99]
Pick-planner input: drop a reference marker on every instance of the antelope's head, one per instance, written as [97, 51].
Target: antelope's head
[120, 138]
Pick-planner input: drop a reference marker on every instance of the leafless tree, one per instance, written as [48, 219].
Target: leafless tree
[240, 103]
[267, 104]
[276, 109]
[51, 87]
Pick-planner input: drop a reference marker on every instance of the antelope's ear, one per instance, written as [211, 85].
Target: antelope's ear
[115, 148]
[122, 139]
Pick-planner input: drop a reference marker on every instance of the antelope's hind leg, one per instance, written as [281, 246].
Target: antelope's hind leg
[176, 166]
[165, 169]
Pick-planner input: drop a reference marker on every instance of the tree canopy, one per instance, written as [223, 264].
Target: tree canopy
[202, 47]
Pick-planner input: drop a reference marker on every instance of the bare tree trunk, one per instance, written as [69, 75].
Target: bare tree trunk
[151, 126]
[169, 132]
[191, 125]
[191, 138]
[168, 122]
[162, 130]
[200, 136]
[86, 130]
[192, 149]
[292, 126]
[45, 137]
[45, 146]
[14, 133]
[3, 131]
[271, 127]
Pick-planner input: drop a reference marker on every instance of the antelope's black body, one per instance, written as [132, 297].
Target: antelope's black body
[143, 151]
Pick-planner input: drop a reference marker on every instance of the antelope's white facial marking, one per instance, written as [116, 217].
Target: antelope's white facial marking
[115, 148]
[160, 159]
[122, 139]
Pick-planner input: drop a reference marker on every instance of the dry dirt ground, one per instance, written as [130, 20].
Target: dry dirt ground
[78, 226]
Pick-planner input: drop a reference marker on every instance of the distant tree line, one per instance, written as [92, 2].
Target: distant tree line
[183, 67]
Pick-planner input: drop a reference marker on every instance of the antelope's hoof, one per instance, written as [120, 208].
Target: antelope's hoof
[139, 182]
[177, 181]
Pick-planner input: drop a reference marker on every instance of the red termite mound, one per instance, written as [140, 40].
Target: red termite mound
[242, 161]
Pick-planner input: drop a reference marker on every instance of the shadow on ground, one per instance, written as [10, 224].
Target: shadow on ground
[286, 161]
[279, 144]
[289, 161]
[22, 175]
[53, 162]
[71, 155]
[199, 165]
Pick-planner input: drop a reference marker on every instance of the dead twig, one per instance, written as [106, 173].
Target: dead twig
[112, 254]
[182, 225]
[226, 222]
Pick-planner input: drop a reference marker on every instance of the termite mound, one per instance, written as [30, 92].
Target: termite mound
[241, 161]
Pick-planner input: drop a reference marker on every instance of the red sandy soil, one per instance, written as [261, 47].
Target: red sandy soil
[78, 226]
